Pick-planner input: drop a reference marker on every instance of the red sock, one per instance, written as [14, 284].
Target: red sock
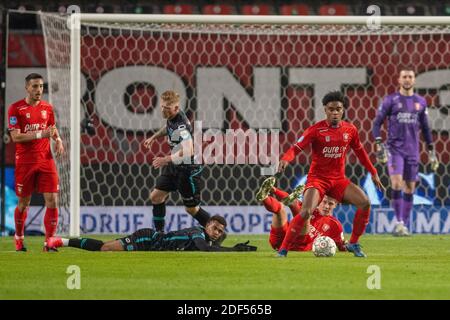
[280, 194]
[360, 222]
[50, 222]
[272, 204]
[293, 232]
[19, 219]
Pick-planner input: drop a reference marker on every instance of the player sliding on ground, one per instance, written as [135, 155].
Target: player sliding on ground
[330, 140]
[189, 239]
[322, 222]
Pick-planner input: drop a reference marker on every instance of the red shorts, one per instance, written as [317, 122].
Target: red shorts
[332, 188]
[40, 177]
[276, 239]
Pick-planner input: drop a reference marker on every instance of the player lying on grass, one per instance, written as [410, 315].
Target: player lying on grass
[321, 223]
[188, 239]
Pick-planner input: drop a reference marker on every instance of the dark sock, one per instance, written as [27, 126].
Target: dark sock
[202, 217]
[408, 199]
[159, 214]
[86, 244]
[397, 203]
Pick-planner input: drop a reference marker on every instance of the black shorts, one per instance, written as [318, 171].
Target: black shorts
[184, 179]
[141, 240]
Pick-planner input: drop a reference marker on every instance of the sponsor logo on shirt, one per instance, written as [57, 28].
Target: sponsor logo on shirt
[406, 117]
[333, 152]
[31, 127]
[12, 121]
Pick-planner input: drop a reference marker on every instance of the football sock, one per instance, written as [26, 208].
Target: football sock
[202, 216]
[407, 206]
[271, 204]
[360, 222]
[293, 231]
[280, 194]
[397, 204]
[50, 222]
[159, 214]
[86, 244]
[19, 219]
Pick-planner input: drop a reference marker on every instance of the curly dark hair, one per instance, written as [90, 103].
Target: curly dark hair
[335, 96]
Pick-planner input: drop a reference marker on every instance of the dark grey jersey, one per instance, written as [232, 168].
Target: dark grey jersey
[178, 129]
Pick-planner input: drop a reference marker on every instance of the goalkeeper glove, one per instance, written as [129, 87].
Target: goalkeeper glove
[381, 152]
[244, 247]
[434, 162]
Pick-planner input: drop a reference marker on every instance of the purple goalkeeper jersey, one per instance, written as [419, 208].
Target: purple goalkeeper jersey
[406, 115]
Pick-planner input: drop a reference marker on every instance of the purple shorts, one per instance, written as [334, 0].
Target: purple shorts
[408, 167]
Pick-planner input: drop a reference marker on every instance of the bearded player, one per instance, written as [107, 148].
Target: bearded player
[31, 126]
[407, 115]
[330, 140]
[322, 222]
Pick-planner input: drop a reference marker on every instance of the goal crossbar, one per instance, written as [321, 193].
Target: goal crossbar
[269, 19]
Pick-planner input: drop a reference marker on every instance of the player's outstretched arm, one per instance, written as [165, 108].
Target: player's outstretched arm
[202, 245]
[376, 180]
[161, 132]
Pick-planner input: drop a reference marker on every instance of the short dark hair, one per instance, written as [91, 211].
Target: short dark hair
[406, 68]
[335, 96]
[33, 76]
[219, 219]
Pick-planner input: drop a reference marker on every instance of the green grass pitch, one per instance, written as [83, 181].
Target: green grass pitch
[411, 268]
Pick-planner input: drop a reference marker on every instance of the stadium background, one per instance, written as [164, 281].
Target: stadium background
[121, 171]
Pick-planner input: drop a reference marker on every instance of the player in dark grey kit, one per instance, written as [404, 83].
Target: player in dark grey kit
[189, 239]
[407, 114]
[178, 170]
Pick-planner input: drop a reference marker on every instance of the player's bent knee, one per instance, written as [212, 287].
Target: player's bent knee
[364, 205]
[157, 197]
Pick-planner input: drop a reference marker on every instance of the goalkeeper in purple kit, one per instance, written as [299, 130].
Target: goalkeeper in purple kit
[406, 113]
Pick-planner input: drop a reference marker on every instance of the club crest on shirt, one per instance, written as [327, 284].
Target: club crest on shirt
[417, 105]
[44, 114]
[28, 116]
[327, 139]
[345, 136]
[325, 227]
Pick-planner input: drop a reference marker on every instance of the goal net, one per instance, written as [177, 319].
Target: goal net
[262, 81]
